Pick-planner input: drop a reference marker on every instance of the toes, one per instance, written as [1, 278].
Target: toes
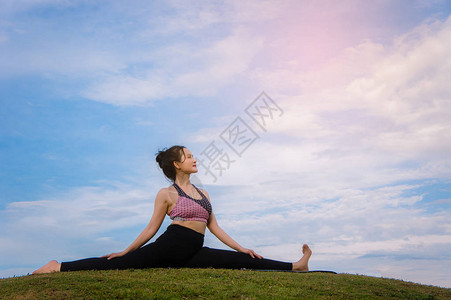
[306, 249]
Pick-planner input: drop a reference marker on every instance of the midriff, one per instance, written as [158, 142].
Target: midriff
[194, 225]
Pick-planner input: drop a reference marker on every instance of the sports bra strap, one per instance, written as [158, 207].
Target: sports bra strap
[183, 194]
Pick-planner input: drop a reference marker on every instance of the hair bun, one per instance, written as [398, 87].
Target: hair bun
[160, 157]
[166, 157]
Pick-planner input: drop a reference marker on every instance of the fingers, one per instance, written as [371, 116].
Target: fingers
[254, 255]
[251, 253]
[109, 256]
[257, 255]
[112, 255]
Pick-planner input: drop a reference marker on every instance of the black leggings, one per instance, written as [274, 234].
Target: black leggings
[178, 246]
[226, 259]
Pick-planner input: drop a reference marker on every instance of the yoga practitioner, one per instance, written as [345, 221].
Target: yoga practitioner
[181, 245]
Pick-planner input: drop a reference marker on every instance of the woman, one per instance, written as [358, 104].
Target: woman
[181, 244]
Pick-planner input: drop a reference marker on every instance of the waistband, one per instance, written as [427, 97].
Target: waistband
[181, 228]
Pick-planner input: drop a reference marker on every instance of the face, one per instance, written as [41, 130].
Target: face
[188, 164]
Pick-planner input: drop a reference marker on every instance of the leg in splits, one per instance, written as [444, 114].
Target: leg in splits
[226, 259]
[172, 249]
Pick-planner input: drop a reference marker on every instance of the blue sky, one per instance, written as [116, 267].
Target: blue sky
[356, 163]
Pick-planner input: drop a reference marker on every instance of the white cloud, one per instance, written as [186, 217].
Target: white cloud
[389, 107]
[194, 18]
[168, 55]
[188, 71]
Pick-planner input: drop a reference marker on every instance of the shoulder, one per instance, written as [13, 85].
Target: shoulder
[168, 195]
[164, 194]
[205, 193]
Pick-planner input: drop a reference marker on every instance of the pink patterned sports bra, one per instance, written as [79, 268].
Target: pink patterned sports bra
[190, 209]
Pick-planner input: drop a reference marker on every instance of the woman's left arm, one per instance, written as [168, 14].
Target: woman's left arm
[224, 237]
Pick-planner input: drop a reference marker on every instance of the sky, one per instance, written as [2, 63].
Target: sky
[318, 122]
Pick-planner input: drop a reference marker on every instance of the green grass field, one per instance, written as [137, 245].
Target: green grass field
[211, 284]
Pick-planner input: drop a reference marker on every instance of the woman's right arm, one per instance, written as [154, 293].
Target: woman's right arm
[159, 212]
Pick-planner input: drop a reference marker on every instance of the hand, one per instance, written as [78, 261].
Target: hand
[113, 255]
[251, 253]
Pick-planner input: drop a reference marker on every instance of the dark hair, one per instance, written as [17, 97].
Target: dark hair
[166, 157]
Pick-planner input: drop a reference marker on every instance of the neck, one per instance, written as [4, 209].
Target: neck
[182, 180]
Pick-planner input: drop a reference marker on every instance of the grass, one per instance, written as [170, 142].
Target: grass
[211, 284]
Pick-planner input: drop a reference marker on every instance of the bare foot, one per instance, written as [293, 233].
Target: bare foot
[50, 267]
[302, 264]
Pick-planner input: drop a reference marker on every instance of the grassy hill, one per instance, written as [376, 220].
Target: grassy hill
[211, 284]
